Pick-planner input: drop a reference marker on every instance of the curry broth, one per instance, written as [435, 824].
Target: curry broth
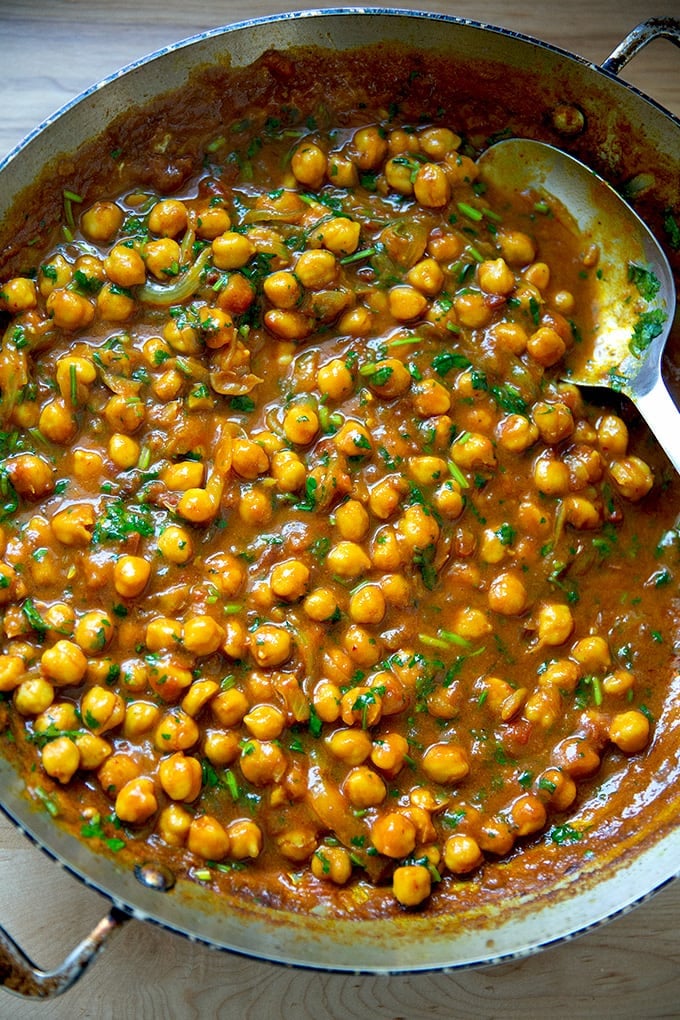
[320, 587]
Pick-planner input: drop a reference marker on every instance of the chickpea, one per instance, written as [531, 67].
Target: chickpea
[60, 759]
[581, 513]
[125, 414]
[369, 147]
[200, 693]
[262, 762]
[125, 266]
[162, 632]
[507, 594]
[555, 623]
[364, 788]
[69, 310]
[101, 221]
[12, 672]
[390, 378]
[633, 477]
[316, 268]
[335, 380]
[618, 683]
[123, 451]
[462, 854]
[406, 303]
[546, 346]
[496, 277]
[175, 731]
[162, 258]
[31, 476]
[136, 802]
[175, 544]
[301, 424]
[411, 884]
[417, 528]
[563, 674]
[326, 700]
[551, 477]
[538, 275]
[389, 753]
[140, 718]
[266, 722]
[448, 500]
[297, 844]
[332, 864]
[394, 835]
[555, 422]
[445, 763]
[288, 471]
[245, 839]
[612, 435]
[576, 757]
[347, 560]
[309, 164]
[64, 663]
[174, 822]
[93, 750]
[57, 421]
[557, 788]
[33, 696]
[208, 838]
[351, 746]
[131, 575]
[288, 325]
[339, 235]
[221, 747]
[385, 497]
[352, 520]
[321, 604]
[426, 276]
[271, 645]
[527, 814]
[168, 218]
[431, 186]
[203, 635]
[290, 580]
[356, 321]
[18, 295]
[629, 731]
[473, 450]
[437, 142]
[181, 777]
[94, 631]
[101, 709]
[592, 653]
[472, 310]
[232, 250]
[367, 604]
[517, 248]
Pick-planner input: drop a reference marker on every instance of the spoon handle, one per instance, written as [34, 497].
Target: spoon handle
[658, 409]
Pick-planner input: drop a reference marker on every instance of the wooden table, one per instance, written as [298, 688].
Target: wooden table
[50, 51]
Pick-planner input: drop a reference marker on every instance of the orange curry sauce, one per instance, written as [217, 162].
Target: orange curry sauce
[317, 583]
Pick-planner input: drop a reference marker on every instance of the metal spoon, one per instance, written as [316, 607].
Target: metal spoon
[633, 285]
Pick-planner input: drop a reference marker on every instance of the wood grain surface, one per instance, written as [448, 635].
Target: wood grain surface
[49, 51]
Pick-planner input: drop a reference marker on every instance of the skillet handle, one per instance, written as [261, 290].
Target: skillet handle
[19, 975]
[638, 38]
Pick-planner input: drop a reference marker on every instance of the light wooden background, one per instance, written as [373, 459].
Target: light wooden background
[49, 51]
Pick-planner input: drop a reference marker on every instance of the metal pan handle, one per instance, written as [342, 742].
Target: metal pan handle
[638, 38]
[19, 975]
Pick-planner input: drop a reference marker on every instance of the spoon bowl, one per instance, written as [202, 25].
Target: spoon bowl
[634, 293]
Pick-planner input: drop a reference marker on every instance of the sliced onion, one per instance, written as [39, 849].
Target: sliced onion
[164, 294]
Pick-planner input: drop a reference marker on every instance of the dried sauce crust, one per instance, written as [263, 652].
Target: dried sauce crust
[318, 584]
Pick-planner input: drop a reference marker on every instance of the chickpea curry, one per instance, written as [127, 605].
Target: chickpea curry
[318, 581]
